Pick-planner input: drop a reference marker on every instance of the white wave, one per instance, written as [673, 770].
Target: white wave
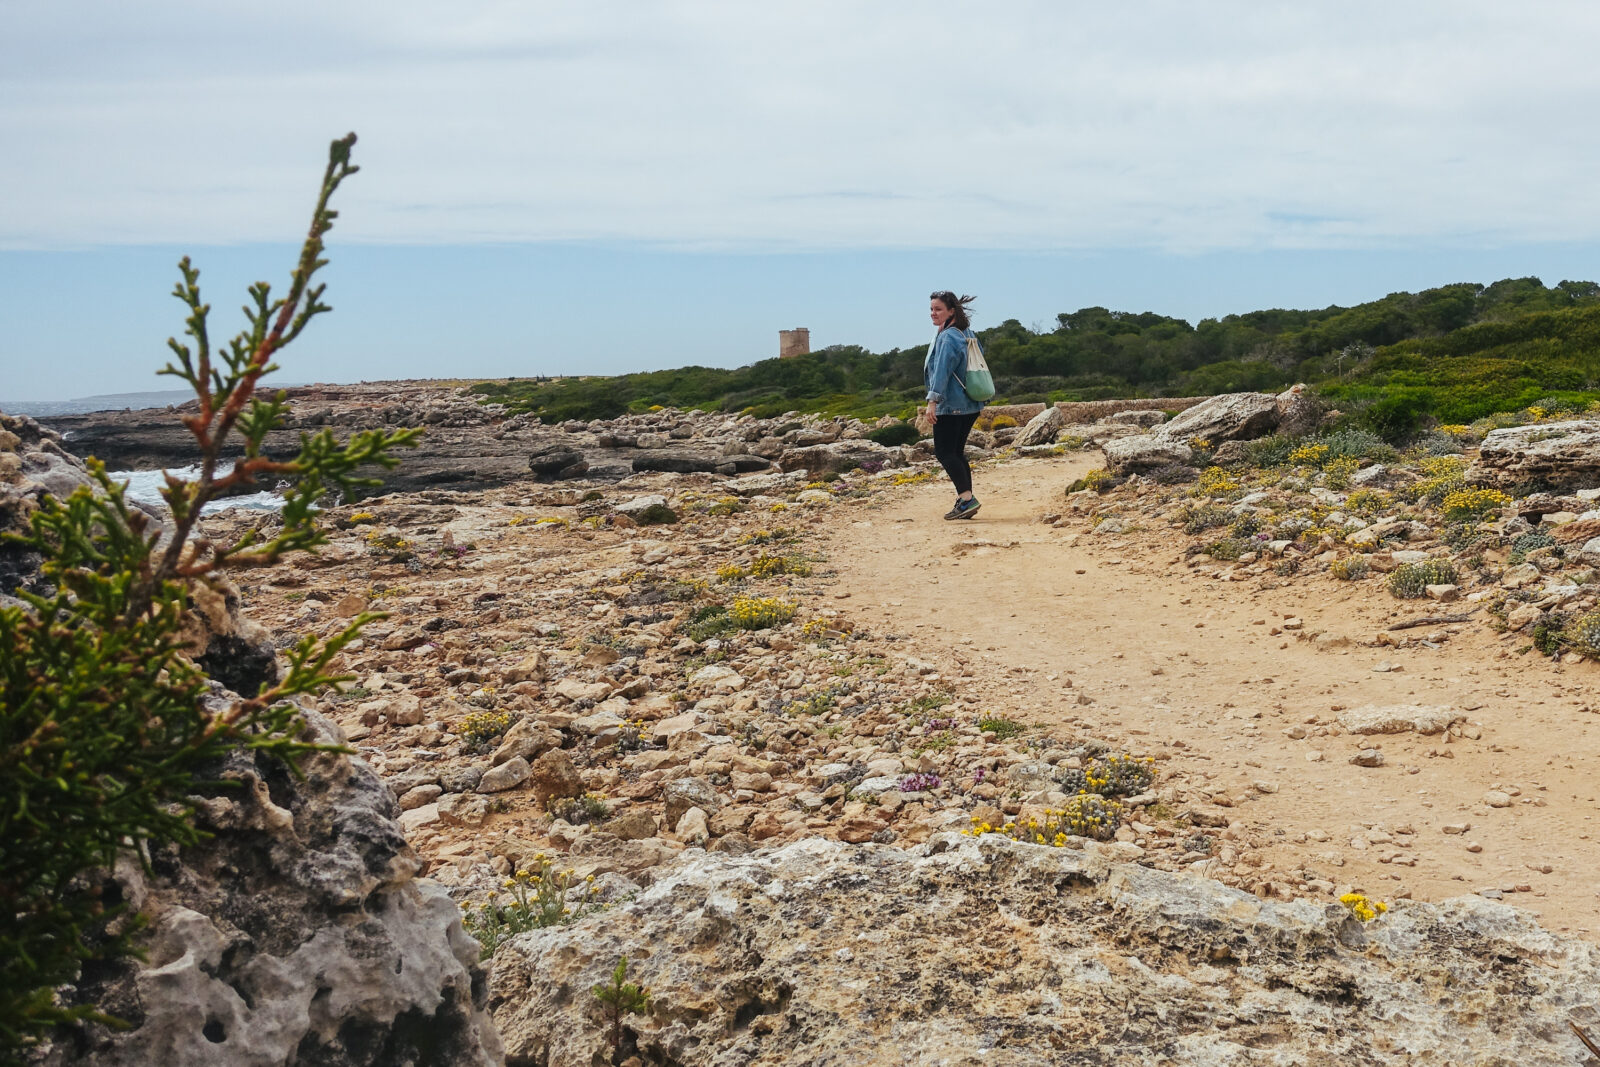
[146, 486]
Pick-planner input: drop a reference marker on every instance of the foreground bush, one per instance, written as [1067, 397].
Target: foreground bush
[107, 727]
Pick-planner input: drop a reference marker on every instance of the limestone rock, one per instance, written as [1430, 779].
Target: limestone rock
[1230, 417]
[1140, 453]
[1042, 428]
[300, 937]
[686, 793]
[527, 739]
[553, 775]
[1101, 952]
[507, 775]
[1562, 455]
[1399, 718]
[691, 829]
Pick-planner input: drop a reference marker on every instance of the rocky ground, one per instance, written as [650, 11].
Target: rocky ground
[616, 678]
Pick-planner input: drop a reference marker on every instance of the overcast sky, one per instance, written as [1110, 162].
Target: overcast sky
[605, 186]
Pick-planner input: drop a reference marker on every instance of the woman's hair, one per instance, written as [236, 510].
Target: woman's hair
[957, 306]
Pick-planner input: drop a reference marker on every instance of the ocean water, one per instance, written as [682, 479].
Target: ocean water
[146, 486]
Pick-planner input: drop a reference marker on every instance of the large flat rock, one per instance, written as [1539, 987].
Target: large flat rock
[989, 951]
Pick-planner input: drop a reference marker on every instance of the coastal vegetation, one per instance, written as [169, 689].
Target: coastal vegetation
[111, 734]
[1452, 354]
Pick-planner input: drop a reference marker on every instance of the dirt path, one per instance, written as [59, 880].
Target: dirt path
[1194, 671]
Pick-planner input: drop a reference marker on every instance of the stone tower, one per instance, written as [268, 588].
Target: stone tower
[795, 342]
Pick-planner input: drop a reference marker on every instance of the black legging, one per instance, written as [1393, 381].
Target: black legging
[950, 448]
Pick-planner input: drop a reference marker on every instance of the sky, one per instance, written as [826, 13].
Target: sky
[599, 187]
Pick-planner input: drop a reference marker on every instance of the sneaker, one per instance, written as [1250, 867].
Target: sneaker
[964, 509]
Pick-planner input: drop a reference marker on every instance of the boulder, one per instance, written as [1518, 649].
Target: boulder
[557, 461]
[1042, 428]
[1145, 452]
[553, 775]
[1230, 417]
[836, 457]
[1299, 414]
[716, 937]
[296, 932]
[1563, 455]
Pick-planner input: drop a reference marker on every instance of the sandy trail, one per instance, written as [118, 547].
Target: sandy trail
[1186, 668]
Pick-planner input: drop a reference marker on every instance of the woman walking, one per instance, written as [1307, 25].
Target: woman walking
[951, 411]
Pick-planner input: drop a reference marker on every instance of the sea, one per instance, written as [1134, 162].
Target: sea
[143, 486]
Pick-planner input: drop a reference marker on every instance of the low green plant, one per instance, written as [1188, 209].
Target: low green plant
[1410, 581]
[1096, 481]
[1214, 481]
[1197, 518]
[1349, 568]
[531, 899]
[760, 613]
[1085, 815]
[1530, 542]
[708, 623]
[479, 730]
[109, 731]
[588, 808]
[1467, 505]
[1003, 729]
[1114, 776]
[1229, 548]
[766, 566]
[1337, 472]
[619, 998]
[1582, 634]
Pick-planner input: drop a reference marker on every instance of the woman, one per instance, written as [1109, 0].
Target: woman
[951, 411]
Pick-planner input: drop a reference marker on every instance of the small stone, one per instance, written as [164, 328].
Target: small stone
[1473, 846]
[1443, 593]
[1495, 798]
[1367, 757]
[508, 775]
[1314, 756]
[632, 826]
[419, 796]
[1455, 827]
[1293, 624]
[691, 828]
[1262, 786]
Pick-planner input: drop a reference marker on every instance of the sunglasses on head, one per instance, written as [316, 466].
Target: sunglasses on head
[947, 298]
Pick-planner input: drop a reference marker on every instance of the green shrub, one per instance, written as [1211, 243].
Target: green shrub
[656, 515]
[1269, 451]
[105, 742]
[1411, 580]
[894, 435]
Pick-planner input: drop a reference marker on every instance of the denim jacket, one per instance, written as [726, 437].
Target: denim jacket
[942, 372]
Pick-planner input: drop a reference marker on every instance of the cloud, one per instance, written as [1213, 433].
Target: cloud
[1164, 125]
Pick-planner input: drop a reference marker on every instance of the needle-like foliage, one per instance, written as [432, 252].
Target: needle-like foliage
[107, 727]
